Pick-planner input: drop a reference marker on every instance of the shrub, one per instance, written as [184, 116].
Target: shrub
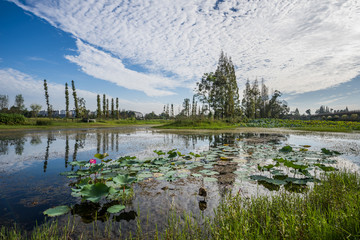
[344, 117]
[354, 116]
[11, 118]
[43, 122]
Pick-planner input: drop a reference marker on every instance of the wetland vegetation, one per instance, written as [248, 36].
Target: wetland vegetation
[257, 186]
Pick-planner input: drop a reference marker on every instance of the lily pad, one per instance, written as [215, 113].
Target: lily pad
[210, 179]
[116, 208]
[57, 211]
[94, 192]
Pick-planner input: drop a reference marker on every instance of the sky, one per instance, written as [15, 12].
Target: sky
[152, 53]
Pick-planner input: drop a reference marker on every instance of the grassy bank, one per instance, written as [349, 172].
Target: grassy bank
[45, 123]
[331, 210]
[198, 124]
[306, 125]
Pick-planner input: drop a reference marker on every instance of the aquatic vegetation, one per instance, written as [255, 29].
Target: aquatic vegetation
[330, 210]
[57, 211]
[312, 125]
[110, 181]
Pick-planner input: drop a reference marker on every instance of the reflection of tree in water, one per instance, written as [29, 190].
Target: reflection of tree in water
[50, 139]
[67, 150]
[89, 212]
[19, 145]
[98, 142]
[4, 147]
[79, 143]
[112, 141]
[35, 140]
[117, 142]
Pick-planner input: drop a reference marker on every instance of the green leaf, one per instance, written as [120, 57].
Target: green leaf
[210, 179]
[57, 211]
[286, 149]
[116, 208]
[94, 192]
[101, 156]
[124, 179]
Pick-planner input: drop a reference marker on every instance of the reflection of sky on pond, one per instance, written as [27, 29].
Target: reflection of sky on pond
[26, 190]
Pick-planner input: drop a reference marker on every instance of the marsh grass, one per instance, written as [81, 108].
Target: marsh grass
[46, 123]
[198, 124]
[330, 210]
[307, 125]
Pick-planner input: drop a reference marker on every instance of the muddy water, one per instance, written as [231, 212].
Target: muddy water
[30, 163]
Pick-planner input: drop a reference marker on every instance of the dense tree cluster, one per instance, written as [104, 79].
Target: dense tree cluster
[219, 90]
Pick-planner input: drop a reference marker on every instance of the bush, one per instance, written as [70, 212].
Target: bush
[11, 118]
[354, 116]
[43, 122]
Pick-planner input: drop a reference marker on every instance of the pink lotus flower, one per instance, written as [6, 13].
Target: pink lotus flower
[92, 161]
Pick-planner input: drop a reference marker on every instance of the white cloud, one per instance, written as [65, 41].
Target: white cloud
[32, 90]
[297, 46]
[103, 66]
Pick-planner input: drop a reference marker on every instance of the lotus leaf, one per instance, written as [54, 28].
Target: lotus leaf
[325, 168]
[57, 211]
[94, 192]
[101, 156]
[329, 152]
[79, 163]
[286, 149]
[116, 208]
[124, 179]
[210, 179]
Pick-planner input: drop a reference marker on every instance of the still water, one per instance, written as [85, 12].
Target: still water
[31, 163]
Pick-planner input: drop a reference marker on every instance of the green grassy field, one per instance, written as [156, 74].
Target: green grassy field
[44, 123]
[306, 125]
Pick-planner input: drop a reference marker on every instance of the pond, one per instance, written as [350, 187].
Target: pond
[31, 163]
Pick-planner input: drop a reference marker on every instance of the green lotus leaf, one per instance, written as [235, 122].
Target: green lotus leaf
[101, 156]
[286, 149]
[116, 208]
[210, 179]
[124, 179]
[57, 211]
[79, 163]
[94, 192]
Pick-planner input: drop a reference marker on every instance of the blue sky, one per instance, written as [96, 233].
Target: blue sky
[151, 54]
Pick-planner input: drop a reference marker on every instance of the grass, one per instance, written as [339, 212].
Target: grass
[198, 124]
[45, 123]
[330, 210]
[308, 125]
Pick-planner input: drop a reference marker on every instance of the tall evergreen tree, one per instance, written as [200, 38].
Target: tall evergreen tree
[112, 108]
[75, 99]
[264, 99]
[107, 108]
[104, 106]
[49, 110]
[66, 100]
[246, 101]
[220, 90]
[186, 106]
[255, 99]
[19, 102]
[4, 101]
[117, 108]
[98, 106]
[172, 111]
[193, 109]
